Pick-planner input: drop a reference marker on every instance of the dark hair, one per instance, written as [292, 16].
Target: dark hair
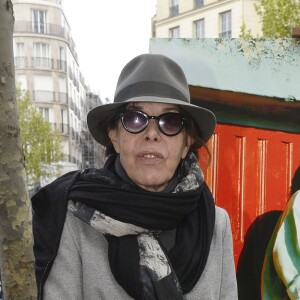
[198, 143]
[112, 124]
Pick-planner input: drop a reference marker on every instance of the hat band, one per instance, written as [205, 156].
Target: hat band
[154, 89]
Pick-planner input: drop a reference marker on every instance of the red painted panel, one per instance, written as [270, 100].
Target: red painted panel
[250, 173]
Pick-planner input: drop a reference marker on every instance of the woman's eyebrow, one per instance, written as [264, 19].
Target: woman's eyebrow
[133, 105]
[165, 109]
[172, 108]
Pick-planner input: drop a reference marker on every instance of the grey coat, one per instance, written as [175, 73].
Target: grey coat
[81, 269]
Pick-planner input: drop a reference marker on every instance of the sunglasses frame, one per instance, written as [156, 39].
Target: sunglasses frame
[184, 120]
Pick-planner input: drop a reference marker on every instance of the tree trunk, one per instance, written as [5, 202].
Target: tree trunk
[16, 242]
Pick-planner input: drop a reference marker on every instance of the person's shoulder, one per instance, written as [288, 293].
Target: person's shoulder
[53, 191]
[222, 220]
[221, 212]
[64, 178]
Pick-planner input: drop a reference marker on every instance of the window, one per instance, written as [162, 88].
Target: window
[62, 94]
[199, 28]
[21, 81]
[43, 83]
[41, 54]
[64, 121]
[174, 32]
[39, 21]
[225, 24]
[174, 8]
[19, 49]
[41, 50]
[61, 63]
[198, 3]
[64, 116]
[20, 59]
[43, 89]
[45, 113]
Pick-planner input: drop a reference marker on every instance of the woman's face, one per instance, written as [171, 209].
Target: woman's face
[150, 157]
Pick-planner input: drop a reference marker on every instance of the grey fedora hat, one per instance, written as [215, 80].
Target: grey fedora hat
[150, 78]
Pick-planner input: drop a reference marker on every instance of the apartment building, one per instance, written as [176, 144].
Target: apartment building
[93, 154]
[46, 65]
[205, 18]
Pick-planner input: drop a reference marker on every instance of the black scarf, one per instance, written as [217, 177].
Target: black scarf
[190, 211]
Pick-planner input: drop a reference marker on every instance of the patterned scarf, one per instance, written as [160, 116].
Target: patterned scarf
[131, 218]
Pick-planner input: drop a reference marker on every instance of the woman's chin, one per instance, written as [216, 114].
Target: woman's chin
[152, 186]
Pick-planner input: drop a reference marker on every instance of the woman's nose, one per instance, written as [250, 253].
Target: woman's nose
[152, 132]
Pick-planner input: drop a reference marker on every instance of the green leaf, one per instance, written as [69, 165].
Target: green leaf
[41, 147]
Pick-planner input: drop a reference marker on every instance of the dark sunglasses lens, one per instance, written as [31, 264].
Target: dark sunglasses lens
[171, 123]
[134, 121]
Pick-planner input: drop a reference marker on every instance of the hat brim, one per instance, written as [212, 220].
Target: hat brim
[98, 117]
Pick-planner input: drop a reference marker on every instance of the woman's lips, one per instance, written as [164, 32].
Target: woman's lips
[150, 157]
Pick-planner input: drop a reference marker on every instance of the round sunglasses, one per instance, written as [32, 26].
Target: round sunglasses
[135, 121]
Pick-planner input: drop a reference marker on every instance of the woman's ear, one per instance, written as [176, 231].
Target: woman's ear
[113, 136]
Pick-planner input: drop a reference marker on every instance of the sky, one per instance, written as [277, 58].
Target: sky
[108, 34]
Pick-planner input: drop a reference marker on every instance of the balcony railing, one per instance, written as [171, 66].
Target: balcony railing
[76, 83]
[225, 34]
[43, 96]
[77, 137]
[64, 128]
[72, 133]
[20, 62]
[71, 74]
[46, 28]
[60, 128]
[81, 78]
[61, 65]
[42, 62]
[174, 10]
[63, 98]
[71, 103]
[77, 111]
[49, 96]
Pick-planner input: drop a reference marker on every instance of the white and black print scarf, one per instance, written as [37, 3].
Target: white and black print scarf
[131, 218]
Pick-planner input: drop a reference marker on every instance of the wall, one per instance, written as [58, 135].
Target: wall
[242, 12]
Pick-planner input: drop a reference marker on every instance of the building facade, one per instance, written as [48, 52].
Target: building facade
[205, 18]
[93, 154]
[46, 66]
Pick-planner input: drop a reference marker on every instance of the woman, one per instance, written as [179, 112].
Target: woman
[280, 276]
[145, 226]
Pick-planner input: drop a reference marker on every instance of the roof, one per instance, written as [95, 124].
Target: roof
[266, 67]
